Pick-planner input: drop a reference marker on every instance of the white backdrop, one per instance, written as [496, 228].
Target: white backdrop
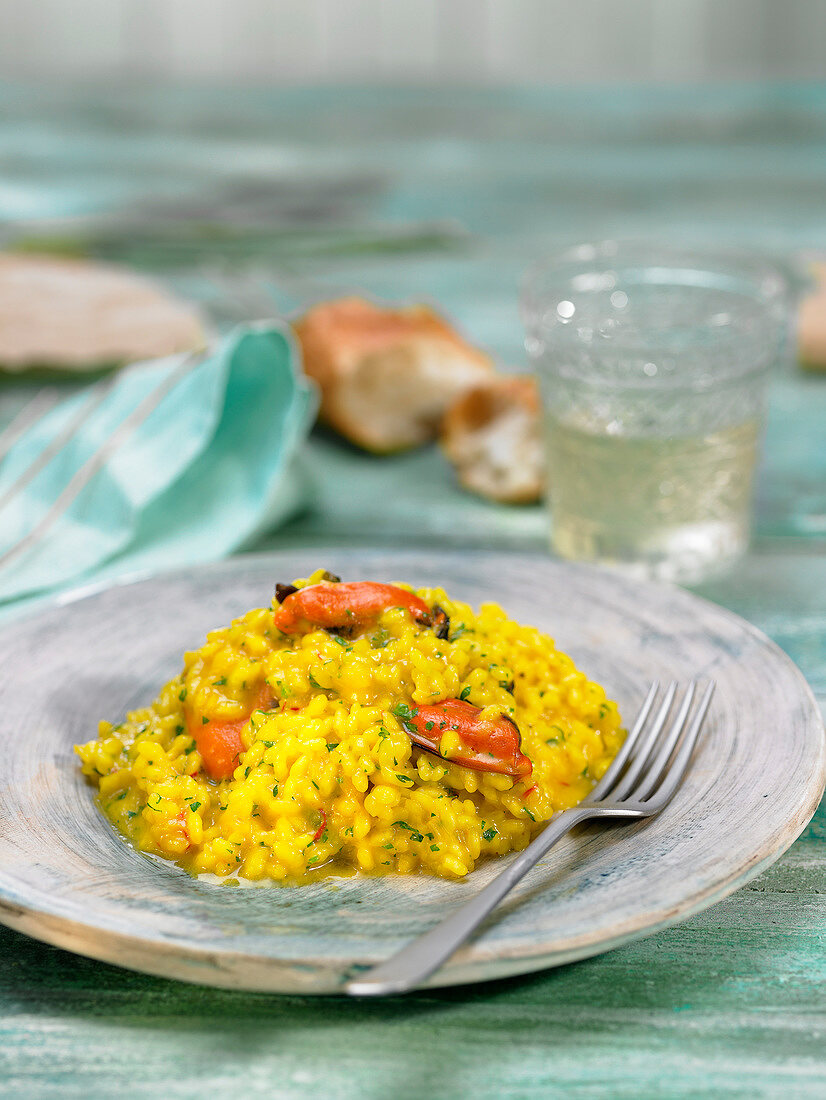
[474, 41]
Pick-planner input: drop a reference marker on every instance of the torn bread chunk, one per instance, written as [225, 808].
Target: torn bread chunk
[492, 437]
[80, 315]
[387, 376]
[811, 323]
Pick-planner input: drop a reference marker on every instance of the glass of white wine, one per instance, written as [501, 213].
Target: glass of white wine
[653, 364]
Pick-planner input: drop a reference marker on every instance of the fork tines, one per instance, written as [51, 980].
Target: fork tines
[649, 766]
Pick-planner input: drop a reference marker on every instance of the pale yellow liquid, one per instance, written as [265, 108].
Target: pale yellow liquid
[673, 508]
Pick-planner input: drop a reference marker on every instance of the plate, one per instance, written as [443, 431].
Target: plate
[68, 879]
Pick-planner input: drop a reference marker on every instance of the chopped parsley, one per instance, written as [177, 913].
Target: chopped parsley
[194, 806]
[528, 812]
[465, 692]
[332, 745]
[380, 639]
[414, 833]
[404, 778]
[402, 710]
[490, 833]
[220, 682]
[182, 694]
[406, 714]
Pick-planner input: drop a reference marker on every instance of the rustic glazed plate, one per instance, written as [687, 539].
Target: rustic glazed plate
[68, 879]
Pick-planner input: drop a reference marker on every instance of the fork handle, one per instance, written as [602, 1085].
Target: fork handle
[418, 959]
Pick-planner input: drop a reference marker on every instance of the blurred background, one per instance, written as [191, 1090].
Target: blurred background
[429, 41]
[258, 156]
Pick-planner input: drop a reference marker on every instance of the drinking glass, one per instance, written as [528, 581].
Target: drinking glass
[652, 364]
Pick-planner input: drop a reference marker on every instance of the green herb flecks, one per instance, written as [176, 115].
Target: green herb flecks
[406, 714]
[414, 833]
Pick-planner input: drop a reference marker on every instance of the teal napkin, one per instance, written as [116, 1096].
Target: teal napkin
[212, 467]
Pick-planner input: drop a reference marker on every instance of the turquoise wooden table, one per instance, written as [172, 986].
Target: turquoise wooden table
[448, 196]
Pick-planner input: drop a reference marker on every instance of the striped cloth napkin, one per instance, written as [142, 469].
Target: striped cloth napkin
[191, 459]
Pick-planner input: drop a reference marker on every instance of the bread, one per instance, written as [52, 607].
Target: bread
[492, 437]
[386, 375]
[811, 324]
[79, 315]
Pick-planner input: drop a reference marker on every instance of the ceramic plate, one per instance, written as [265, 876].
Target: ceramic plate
[68, 879]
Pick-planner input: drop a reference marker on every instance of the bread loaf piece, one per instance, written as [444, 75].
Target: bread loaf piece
[811, 323]
[79, 315]
[492, 437]
[386, 375]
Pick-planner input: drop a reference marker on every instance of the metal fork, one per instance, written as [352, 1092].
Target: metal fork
[640, 782]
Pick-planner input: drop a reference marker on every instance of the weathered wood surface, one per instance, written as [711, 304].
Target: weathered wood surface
[733, 1001]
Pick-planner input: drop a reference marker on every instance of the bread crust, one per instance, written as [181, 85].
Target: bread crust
[386, 375]
[79, 315]
[811, 323]
[492, 437]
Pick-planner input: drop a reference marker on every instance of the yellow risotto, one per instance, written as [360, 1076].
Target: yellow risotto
[415, 736]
